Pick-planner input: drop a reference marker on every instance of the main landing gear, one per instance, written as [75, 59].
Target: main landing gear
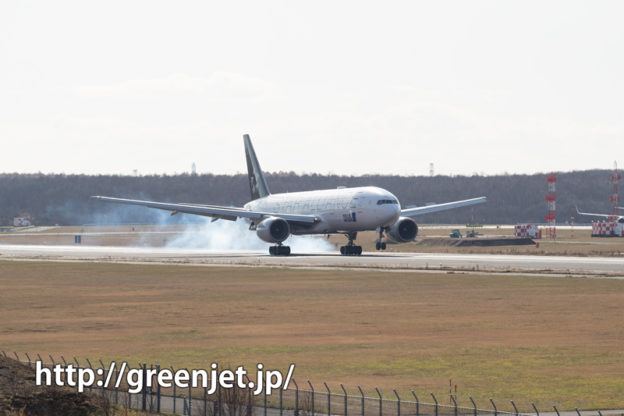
[380, 245]
[351, 249]
[279, 250]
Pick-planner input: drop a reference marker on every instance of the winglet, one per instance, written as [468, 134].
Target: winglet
[257, 183]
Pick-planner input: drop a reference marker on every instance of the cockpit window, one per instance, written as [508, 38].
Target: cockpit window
[387, 201]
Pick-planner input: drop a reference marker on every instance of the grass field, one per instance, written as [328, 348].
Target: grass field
[549, 340]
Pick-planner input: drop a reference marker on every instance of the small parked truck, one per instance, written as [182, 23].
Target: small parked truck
[455, 234]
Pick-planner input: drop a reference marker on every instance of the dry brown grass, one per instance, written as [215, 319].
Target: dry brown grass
[568, 243]
[544, 339]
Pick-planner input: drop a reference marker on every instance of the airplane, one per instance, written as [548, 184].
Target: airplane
[610, 217]
[274, 217]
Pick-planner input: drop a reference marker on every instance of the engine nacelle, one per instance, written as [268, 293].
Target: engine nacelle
[403, 231]
[273, 230]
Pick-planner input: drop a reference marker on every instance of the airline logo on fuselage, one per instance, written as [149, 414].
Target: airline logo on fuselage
[349, 217]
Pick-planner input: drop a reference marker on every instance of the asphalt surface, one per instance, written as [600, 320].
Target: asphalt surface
[592, 266]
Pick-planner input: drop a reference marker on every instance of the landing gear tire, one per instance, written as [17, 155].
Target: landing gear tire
[279, 250]
[351, 250]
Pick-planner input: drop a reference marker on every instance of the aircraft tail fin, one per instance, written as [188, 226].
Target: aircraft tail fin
[257, 183]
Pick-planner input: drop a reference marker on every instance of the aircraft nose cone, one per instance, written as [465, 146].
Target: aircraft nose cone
[392, 214]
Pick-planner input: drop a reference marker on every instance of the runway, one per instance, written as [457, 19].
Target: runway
[566, 265]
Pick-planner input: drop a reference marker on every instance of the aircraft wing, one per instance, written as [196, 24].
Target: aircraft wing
[412, 212]
[214, 211]
[593, 215]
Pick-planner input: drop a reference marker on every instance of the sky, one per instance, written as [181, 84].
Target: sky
[343, 87]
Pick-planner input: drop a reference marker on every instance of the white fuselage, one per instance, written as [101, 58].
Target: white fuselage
[339, 210]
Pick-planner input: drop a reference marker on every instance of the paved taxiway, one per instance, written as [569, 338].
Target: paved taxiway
[611, 266]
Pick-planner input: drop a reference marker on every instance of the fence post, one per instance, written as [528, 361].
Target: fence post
[52, 360]
[158, 389]
[249, 393]
[296, 398]
[175, 398]
[312, 388]
[4, 353]
[577, 411]
[151, 389]
[454, 403]
[380, 402]
[328, 399]
[17, 356]
[64, 362]
[398, 403]
[205, 401]
[27, 356]
[218, 404]
[190, 396]
[535, 408]
[417, 403]
[103, 375]
[557, 411]
[281, 400]
[599, 412]
[436, 404]
[40, 359]
[116, 385]
[474, 406]
[514, 406]
[345, 399]
[75, 360]
[494, 406]
[144, 392]
[91, 367]
[362, 393]
[265, 402]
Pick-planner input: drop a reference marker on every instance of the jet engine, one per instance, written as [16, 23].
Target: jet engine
[403, 231]
[273, 230]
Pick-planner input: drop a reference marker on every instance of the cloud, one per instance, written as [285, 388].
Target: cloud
[221, 86]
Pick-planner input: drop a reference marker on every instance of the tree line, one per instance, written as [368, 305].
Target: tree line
[61, 199]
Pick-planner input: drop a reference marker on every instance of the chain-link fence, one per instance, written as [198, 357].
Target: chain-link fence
[299, 399]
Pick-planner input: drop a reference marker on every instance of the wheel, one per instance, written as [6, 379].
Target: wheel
[272, 250]
[383, 246]
[377, 245]
[343, 250]
[284, 251]
[359, 250]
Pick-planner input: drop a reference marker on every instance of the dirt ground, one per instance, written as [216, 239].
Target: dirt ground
[19, 395]
[548, 340]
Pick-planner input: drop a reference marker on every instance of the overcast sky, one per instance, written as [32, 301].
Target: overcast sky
[347, 87]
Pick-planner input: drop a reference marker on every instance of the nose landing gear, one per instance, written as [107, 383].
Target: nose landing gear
[380, 245]
[351, 249]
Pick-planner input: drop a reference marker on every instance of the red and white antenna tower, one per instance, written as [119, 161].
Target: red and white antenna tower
[615, 197]
[552, 212]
